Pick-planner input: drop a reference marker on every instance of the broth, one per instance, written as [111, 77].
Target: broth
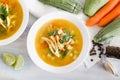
[11, 22]
[63, 32]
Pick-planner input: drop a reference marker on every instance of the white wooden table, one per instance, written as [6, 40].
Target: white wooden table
[32, 72]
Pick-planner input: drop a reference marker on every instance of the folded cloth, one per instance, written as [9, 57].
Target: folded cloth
[91, 61]
[111, 64]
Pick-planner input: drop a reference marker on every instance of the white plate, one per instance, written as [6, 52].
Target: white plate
[39, 9]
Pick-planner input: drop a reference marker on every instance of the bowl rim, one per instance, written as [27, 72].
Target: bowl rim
[31, 40]
[24, 23]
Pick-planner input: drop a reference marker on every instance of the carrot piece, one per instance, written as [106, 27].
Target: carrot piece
[111, 16]
[43, 45]
[102, 12]
[6, 2]
[74, 45]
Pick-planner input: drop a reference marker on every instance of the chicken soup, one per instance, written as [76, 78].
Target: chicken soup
[59, 42]
[11, 16]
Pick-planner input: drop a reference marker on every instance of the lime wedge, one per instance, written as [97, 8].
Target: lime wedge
[9, 59]
[19, 62]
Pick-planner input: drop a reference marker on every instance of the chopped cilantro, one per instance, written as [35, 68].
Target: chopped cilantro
[65, 53]
[3, 15]
[3, 11]
[65, 38]
[53, 33]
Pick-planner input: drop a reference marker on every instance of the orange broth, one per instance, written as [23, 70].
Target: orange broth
[43, 49]
[16, 10]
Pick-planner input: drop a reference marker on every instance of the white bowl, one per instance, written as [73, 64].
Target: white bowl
[31, 42]
[22, 27]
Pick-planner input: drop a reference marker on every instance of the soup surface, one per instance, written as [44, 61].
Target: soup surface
[58, 42]
[11, 16]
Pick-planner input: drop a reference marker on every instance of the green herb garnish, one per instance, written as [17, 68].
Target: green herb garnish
[65, 53]
[65, 38]
[53, 33]
[67, 32]
[3, 16]
[3, 12]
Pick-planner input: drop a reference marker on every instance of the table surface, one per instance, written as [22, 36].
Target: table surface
[32, 72]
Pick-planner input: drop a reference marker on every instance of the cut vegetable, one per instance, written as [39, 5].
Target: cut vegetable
[92, 6]
[111, 16]
[102, 12]
[111, 30]
[19, 62]
[3, 12]
[65, 53]
[68, 5]
[9, 59]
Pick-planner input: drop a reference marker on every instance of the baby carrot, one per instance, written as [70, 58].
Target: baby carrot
[111, 16]
[102, 12]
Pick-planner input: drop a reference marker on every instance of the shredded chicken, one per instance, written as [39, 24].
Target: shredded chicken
[54, 41]
[69, 41]
[8, 21]
[52, 46]
[12, 16]
[7, 8]
[60, 31]
[55, 45]
[7, 25]
[1, 22]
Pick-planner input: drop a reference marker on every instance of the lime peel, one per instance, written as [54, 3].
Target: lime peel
[9, 59]
[19, 62]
